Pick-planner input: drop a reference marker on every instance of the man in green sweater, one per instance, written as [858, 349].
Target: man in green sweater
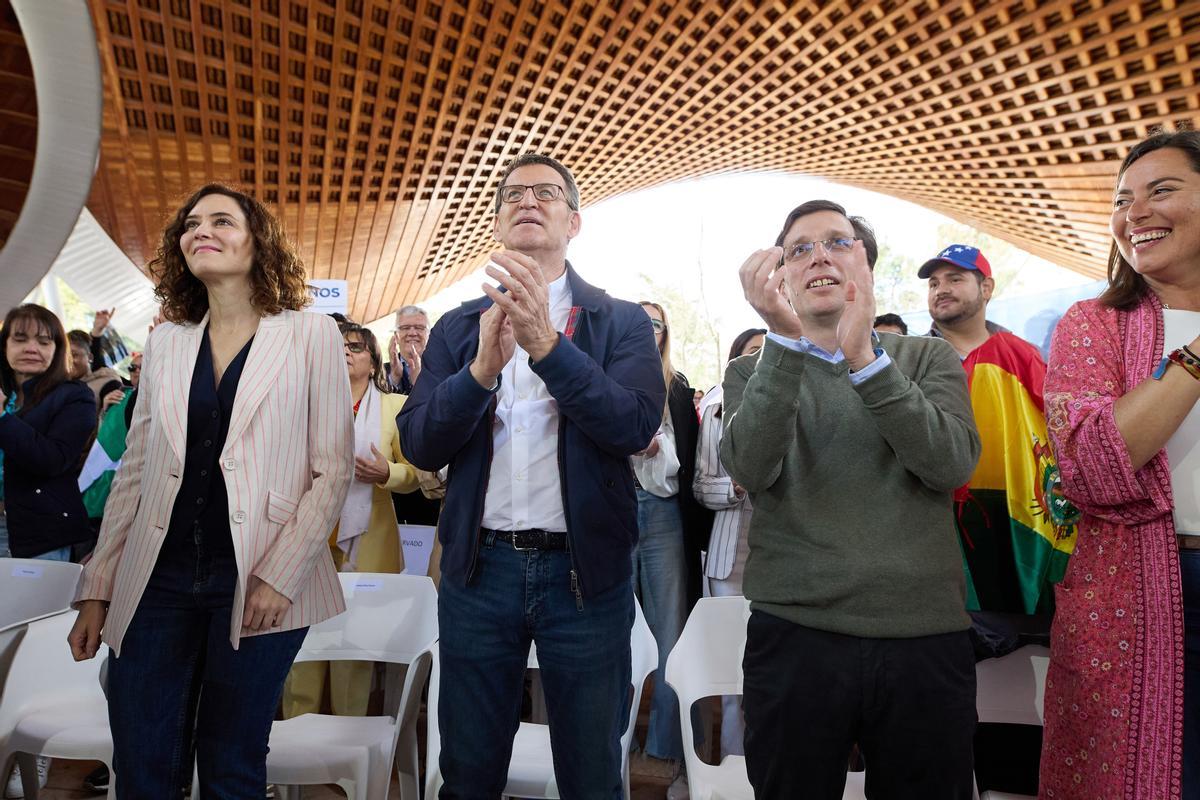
[850, 444]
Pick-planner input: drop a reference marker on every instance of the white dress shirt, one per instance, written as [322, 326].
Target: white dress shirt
[524, 490]
[1183, 448]
[659, 474]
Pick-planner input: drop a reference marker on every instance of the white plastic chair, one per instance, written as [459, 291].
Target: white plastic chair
[707, 662]
[52, 705]
[32, 588]
[531, 768]
[389, 618]
[1010, 690]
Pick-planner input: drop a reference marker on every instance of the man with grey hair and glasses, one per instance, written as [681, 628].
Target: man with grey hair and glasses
[536, 395]
[406, 347]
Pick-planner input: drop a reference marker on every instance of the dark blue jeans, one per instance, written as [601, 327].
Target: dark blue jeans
[486, 629]
[179, 684]
[1189, 569]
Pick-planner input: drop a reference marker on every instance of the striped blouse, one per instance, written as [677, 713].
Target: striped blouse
[714, 489]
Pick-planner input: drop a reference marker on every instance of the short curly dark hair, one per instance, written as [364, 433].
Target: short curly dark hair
[277, 276]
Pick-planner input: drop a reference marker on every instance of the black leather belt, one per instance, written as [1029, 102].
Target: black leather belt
[532, 539]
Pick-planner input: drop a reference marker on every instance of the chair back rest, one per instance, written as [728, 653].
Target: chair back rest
[707, 659]
[643, 647]
[388, 617]
[1010, 689]
[43, 670]
[32, 588]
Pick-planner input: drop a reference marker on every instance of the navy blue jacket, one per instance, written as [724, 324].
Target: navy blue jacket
[43, 450]
[607, 381]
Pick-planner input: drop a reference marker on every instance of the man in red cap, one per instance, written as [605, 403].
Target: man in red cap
[960, 285]
[1015, 535]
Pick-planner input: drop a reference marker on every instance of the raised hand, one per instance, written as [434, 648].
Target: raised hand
[413, 358]
[101, 320]
[111, 399]
[526, 303]
[496, 346]
[762, 284]
[858, 316]
[372, 469]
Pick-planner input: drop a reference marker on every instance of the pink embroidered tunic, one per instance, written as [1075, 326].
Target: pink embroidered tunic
[1114, 690]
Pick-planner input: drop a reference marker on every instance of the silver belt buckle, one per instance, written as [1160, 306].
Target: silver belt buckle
[517, 547]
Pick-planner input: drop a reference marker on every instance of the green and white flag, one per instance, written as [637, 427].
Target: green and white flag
[95, 479]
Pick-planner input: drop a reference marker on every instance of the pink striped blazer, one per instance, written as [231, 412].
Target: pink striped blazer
[287, 463]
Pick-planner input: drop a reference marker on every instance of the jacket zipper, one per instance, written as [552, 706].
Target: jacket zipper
[483, 487]
[576, 588]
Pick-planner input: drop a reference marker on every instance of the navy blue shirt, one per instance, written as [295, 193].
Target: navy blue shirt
[201, 511]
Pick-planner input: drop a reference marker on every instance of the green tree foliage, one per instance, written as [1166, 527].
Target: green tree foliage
[897, 287]
[899, 290]
[695, 343]
[999, 253]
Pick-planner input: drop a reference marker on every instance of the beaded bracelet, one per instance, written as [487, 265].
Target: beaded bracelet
[1184, 358]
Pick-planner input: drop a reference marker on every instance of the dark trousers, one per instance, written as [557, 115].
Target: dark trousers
[1189, 569]
[811, 695]
[179, 685]
[584, 657]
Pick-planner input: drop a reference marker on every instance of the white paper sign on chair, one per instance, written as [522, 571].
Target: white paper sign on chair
[416, 541]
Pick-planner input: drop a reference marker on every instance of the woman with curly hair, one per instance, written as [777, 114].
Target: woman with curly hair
[212, 562]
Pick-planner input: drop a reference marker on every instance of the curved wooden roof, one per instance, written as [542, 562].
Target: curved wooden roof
[377, 127]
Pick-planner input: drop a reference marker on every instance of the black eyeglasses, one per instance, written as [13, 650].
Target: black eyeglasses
[542, 192]
[135, 368]
[355, 347]
[803, 251]
[658, 325]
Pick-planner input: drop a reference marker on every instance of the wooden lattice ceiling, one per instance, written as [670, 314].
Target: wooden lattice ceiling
[377, 127]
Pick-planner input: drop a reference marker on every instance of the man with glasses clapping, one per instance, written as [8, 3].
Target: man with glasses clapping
[536, 395]
[406, 347]
[850, 445]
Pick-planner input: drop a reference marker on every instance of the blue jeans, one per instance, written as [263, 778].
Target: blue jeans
[4, 551]
[178, 678]
[486, 629]
[1189, 569]
[58, 554]
[660, 580]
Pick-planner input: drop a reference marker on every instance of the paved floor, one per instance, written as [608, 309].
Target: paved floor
[66, 783]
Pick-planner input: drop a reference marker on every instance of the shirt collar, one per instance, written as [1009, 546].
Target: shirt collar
[992, 329]
[559, 289]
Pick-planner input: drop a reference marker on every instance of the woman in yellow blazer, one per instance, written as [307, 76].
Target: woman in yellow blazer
[211, 562]
[365, 539]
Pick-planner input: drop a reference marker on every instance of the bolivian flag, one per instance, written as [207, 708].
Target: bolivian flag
[1017, 529]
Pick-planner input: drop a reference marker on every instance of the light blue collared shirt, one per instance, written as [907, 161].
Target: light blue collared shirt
[805, 345]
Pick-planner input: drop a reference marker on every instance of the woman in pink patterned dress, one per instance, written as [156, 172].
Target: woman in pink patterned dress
[1122, 704]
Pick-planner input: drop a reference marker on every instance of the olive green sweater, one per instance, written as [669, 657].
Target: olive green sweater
[853, 527]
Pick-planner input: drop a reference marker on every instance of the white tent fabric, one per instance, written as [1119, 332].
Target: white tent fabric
[102, 275]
